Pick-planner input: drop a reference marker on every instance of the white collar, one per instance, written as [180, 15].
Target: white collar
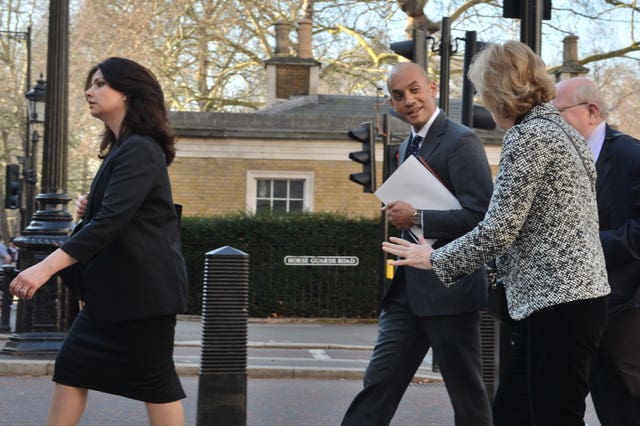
[425, 128]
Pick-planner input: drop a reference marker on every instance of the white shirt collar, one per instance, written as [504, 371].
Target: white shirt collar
[425, 128]
[596, 139]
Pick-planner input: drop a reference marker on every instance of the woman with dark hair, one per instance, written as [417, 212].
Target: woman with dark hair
[146, 113]
[542, 228]
[133, 274]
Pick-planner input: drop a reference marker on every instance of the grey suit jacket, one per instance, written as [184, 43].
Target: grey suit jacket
[455, 153]
[130, 242]
[542, 221]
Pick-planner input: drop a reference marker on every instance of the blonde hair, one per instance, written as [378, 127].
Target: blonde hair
[511, 79]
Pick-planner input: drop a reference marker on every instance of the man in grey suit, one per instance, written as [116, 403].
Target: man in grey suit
[615, 373]
[418, 311]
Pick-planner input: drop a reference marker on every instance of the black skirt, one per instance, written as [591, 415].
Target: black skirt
[133, 359]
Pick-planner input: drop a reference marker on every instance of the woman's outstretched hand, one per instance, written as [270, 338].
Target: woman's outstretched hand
[27, 282]
[410, 254]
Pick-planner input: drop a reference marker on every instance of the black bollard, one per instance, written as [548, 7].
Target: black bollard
[490, 347]
[8, 274]
[222, 388]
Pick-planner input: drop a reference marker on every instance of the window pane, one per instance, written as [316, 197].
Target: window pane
[263, 205]
[296, 188]
[264, 188]
[279, 195]
[279, 205]
[280, 189]
[295, 206]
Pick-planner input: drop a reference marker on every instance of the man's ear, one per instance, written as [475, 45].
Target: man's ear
[594, 111]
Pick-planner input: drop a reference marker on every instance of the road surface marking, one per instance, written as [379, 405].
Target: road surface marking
[319, 354]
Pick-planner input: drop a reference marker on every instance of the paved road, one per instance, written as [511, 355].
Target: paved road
[270, 402]
[275, 349]
[356, 334]
[300, 374]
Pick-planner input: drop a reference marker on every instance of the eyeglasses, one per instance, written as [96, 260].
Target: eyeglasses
[563, 109]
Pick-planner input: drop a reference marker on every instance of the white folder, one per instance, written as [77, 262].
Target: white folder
[415, 183]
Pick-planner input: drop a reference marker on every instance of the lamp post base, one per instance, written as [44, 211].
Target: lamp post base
[35, 343]
[41, 322]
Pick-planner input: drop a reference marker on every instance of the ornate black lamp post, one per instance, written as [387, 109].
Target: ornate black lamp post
[42, 321]
[36, 107]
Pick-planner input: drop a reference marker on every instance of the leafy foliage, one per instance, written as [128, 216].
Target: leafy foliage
[279, 290]
[209, 54]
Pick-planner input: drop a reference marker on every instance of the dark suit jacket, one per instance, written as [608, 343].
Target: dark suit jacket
[130, 242]
[618, 193]
[457, 156]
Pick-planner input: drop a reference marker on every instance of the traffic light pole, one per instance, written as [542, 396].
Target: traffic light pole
[531, 24]
[420, 48]
[445, 55]
[531, 14]
[384, 222]
[470, 47]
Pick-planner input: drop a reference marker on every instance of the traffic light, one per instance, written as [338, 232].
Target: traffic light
[530, 14]
[365, 134]
[415, 49]
[515, 8]
[12, 187]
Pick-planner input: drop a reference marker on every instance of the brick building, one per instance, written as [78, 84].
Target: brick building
[293, 154]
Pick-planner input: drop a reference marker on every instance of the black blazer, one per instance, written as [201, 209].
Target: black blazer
[618, 193]
[130, 242]
[457, 156]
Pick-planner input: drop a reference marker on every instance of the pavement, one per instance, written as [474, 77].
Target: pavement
[276, 348]
[301, 372]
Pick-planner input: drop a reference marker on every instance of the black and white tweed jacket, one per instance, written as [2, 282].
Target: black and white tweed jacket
[542, 221]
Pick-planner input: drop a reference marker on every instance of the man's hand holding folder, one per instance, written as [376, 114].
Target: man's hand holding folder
[415, 184]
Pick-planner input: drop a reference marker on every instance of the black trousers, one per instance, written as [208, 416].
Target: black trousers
[615, 373]
[403, 341]
[546, 380]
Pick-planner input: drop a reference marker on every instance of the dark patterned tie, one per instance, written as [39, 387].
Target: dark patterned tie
[415, 145]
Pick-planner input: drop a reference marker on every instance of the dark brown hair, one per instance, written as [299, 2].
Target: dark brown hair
[146, 111]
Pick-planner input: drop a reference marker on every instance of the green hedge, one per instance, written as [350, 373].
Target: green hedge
[278, 290]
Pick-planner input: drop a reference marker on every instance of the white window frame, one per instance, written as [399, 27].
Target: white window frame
[254, 175]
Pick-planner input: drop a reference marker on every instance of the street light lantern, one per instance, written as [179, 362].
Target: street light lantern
[36, 97]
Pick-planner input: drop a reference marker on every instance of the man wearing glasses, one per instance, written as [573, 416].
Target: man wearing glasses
[615, 374]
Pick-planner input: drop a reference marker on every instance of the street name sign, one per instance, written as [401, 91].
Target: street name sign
[321, 260]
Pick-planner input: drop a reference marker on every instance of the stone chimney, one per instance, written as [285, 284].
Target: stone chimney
[570, 66]
[282, 39]
[304, 39]
[289, 75]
